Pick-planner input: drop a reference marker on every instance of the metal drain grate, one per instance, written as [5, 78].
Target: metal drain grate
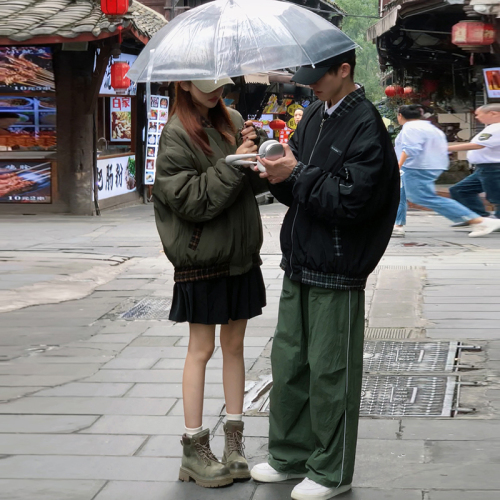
[149, 308]
[400, 396]
[392, 333]
[399, 357]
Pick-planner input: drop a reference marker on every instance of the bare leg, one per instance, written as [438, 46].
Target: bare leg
[233, 371]
[201, 348]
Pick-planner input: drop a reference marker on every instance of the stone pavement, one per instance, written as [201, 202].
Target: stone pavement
[91, 404]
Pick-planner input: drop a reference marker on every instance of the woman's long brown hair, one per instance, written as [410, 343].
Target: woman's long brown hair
[190, 118]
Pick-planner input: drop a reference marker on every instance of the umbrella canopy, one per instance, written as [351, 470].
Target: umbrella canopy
[238, 37]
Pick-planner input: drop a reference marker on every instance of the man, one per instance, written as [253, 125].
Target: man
[340, 178]
[484, 153]
[423, 157]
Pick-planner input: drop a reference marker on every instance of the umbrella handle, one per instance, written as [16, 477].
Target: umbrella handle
[239, 160]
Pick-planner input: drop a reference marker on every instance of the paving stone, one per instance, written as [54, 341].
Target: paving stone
[69, 444]
[48, 369]
[88, 406]
[130, 364]
[46, 358]
[168, 329]
[171, 391]
[149, 376]
[124, 327]
[118, 424]
[154, 341]
[118, 338]
[451, 430]
[48, 489]
[7, 393]
[44, 423]
[453, 452]
[120, 285]
[87, 389]
[127, 490]
[89, 467]
[464, 495]
[151, 352]
[461, 333]
[36, 380]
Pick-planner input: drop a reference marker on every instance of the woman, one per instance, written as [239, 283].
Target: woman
[210, 227]
[422, 151]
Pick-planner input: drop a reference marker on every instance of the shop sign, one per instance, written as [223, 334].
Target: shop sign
[106, 88]
[158, 116]
[26, 69]
[285, 134]
[27, 123]
[263, 123]
[121, 119]
[492, 80]
[116, 176]
[25, 182]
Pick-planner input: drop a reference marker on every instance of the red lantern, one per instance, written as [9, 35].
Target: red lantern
[277, 125]
[408, 91]
[430, 86]
[118, 79]
[399, 90]
[472, 34]
[390, 91]
[114, 7]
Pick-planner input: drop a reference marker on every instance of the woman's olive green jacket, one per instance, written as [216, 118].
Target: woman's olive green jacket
[205, 210]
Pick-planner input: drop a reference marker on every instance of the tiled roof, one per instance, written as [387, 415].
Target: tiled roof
[21, 20]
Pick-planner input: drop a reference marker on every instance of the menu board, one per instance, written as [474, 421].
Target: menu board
[116, 176]
[27, 123]
[492, 80]
[121, 119]
[25, 182]
[158, 116]
[26, 69]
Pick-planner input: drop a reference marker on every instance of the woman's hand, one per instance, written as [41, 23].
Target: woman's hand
[249, 132]
[246, 148]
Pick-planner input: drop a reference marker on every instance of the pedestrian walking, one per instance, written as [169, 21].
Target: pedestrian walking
[340, 180]
[423, 158]
[209, 223]
[484, 155]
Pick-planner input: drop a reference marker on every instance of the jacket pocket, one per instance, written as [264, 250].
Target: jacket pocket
[196, 236]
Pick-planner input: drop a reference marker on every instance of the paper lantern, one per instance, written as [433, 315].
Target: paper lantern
[472, 34]
[119, 81]
[114, 7]
[408, 91]
[390, 91]
[277, 125]
[399, 90]
[430, 86]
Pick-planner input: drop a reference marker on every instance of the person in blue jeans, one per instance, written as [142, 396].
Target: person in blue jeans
[484, 154]
[423, 156]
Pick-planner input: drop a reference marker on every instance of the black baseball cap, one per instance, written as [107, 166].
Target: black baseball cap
[306, 75]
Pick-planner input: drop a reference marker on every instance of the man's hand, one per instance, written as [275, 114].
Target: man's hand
[248, 133]
[279, 170]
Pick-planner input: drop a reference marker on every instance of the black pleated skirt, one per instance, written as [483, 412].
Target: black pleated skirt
[216, 301]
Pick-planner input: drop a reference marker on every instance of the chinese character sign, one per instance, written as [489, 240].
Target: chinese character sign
[25, 182]
[158, 116]
[121, 119]
[115, 176]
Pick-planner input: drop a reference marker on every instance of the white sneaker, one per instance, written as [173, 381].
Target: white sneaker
[398, 232]
[484, 228]
[310, 490]
[266, 474]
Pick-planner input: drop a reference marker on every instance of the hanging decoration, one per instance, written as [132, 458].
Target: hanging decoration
[277, 125]
[114, 7]
[470, 34]
[119, 80]
[390, 91]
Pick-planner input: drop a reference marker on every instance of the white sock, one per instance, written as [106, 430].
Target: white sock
[234, 417]
[192, 432]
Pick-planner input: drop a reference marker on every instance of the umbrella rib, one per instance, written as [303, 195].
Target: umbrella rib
[256, 44]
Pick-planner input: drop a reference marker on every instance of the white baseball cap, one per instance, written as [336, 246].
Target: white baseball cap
[208, 86]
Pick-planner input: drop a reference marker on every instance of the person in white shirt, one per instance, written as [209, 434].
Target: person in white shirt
[423, 156]
[484, 154]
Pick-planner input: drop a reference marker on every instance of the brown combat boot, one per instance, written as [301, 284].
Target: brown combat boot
[200, 464]
[234, 455]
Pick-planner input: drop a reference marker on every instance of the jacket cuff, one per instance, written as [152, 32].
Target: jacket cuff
[296, 172]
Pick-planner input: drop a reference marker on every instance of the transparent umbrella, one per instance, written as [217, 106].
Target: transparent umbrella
[238, 37]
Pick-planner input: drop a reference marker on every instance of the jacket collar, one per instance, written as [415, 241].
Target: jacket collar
[349, 102]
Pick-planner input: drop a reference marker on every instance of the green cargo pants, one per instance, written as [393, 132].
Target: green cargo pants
[317, 365]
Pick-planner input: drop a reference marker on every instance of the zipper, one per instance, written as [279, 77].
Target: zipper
[297, 211]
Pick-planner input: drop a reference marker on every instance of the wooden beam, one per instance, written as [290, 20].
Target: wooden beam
[92, 93]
